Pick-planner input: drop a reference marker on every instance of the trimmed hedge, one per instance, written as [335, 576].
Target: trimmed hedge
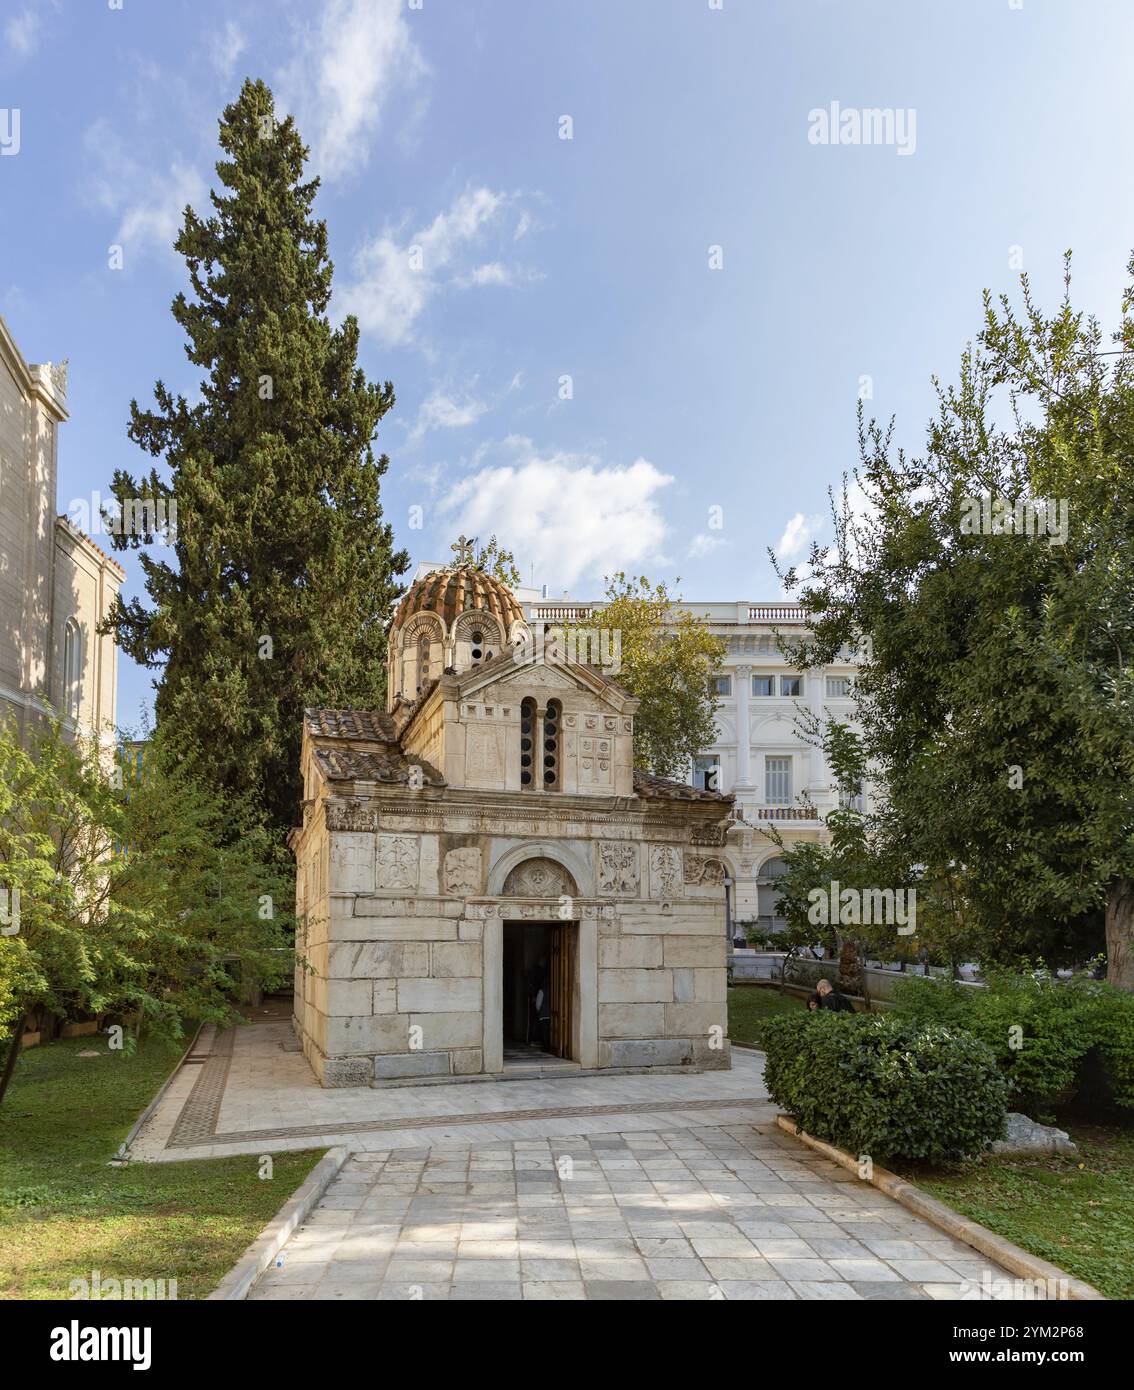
[1050, 1037]
[877, 1085]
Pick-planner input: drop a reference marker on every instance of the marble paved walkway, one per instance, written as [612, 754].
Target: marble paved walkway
[734, 1211]
[670, 1186]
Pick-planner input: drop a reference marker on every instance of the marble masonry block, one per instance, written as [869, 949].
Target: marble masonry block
[385, 994]
[372, 1033]
[694, 1020]
[635, 986]
[677, 923]
[631, 1020]
[467, 1061]
[694, 950]
[439, 996]
[621, 953]
[352, 862]
[398, 1064]
[683, 989]
[378, 960]
[705, 1054]
[449, 1030]
[471, 931]
[371, 928]
[710, 986]
[651, 1052]
[345, 998]
[455, 959]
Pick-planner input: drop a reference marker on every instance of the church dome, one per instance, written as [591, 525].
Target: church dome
[452, 591]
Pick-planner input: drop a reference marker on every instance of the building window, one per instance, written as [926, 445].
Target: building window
[72, 668]
[707, 772]
[422, 662]
[527, 741]
[838, 687]
[551, 721]
[777, 781]
[722, 685]
[765, 646]
[851, 799]
[791, 685]
[763, 685]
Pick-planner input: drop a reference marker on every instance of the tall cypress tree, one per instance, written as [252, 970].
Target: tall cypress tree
[284, 570]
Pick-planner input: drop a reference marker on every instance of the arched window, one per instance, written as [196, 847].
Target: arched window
[527, 741]
[422, 661]
[552, 720]
[72, 668]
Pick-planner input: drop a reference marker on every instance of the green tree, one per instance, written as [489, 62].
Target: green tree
[133, 899]
[667, 658]
[498, 562]
[283, 572]
[995, 687]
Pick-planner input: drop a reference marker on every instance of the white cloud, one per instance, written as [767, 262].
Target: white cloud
[148, 203]
[442, 410]
[342, 74]
[797, 537]
[572, 515]
[393, 281]
[704, 544]
[225, 47]
[21, 33]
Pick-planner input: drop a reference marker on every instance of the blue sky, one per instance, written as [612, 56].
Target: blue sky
[692, 388]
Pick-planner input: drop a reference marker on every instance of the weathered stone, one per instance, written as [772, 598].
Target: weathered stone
[448, 1030]
[635, 986]
[1024, 1136]
[683, 990]
[457, 960]
[397, 1064]
[623, 953]
[631, 1020]
[439, 996]
[467, 1061]
[693, 950]
[651, 1052]
[377, 960]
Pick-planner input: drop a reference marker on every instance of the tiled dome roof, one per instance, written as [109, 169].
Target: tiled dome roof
[451, 592]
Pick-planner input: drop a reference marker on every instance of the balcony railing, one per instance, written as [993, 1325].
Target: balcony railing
[800, 813]
[541, 613]
[777, 613]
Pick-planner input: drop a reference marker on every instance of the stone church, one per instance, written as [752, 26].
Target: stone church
[485, 884]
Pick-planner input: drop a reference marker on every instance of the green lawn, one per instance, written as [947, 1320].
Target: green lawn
[750, 1006]
[1076, 1212]
[64, 1212]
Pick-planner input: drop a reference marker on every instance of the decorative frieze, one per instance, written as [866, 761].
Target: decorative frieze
[708, 835]
[665, 872]
[619, 869]
[462, 872]
[396, 862]
[702, 871]
[538, 878]
[350, 815]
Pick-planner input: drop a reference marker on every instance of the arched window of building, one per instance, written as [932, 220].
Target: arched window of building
[527, 741]
[422, 661]
[552, 720]
[72, 668]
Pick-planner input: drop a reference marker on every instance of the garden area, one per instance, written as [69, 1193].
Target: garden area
[924, 1088]
[65, 1212]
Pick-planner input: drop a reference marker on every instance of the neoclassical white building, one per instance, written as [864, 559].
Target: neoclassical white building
[56, 585]
[778, 778]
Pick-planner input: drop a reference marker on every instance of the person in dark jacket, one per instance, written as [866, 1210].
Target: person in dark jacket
[830, 998]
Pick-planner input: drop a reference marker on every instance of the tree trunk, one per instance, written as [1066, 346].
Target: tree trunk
[1120, 934]
[13, 1053]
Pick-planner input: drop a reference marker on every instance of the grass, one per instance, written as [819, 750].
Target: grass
[1077, 1212]
[750, 1006]
[64, 1212]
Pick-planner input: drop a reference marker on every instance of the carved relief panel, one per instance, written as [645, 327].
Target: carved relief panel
[665, 871]
[704, 872]
[352, 863]
[462, 872]
[397, 861]
[619, 869]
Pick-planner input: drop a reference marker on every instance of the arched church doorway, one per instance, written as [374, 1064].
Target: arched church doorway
[540, 968]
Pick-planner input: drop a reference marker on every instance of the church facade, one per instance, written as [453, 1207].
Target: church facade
[485, 882]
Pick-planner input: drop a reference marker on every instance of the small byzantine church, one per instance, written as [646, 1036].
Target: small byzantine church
[485, 884]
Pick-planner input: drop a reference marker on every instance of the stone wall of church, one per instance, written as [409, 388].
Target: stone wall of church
[405, 947]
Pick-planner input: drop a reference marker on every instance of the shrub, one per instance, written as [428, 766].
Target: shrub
[1046, 1034]
[883, 1086]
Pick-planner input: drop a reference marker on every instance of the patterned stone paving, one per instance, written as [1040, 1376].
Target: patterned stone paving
[736, 1212]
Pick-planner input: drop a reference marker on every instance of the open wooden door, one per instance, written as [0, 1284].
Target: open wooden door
[561, 982]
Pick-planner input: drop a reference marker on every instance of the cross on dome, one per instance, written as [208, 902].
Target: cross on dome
[463, 549]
